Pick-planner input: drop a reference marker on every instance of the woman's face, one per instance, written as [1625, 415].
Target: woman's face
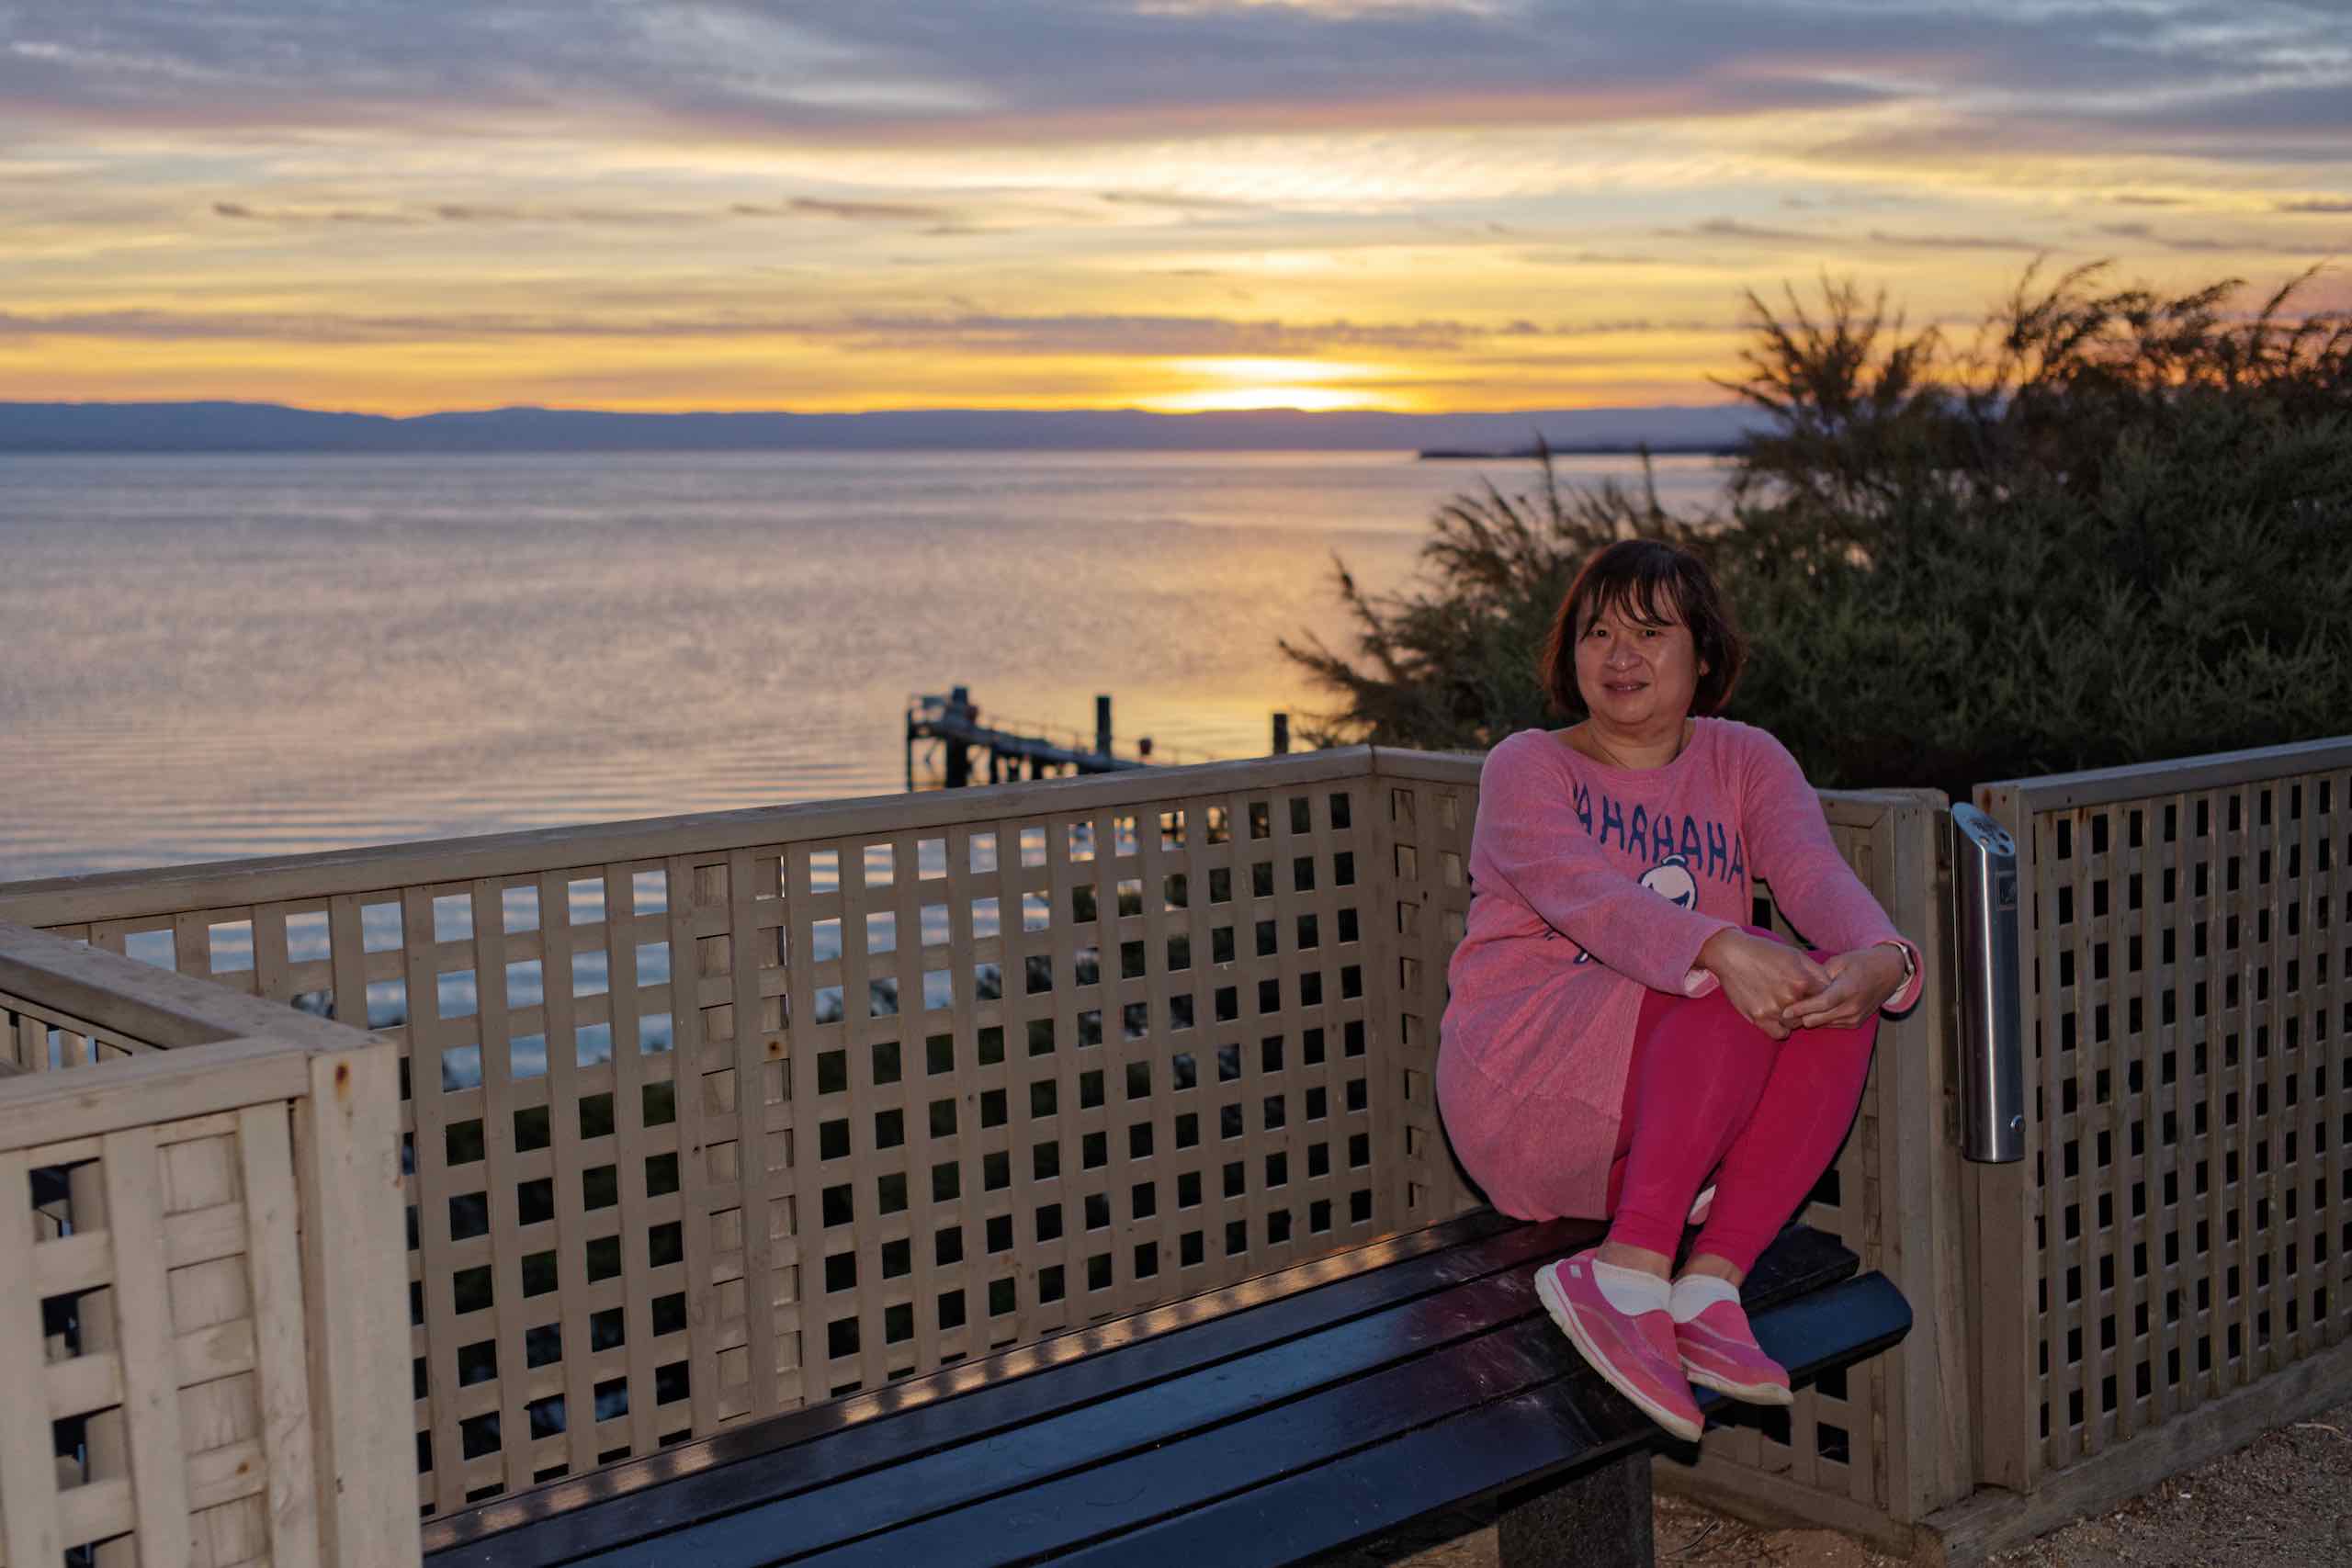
[1635, 677]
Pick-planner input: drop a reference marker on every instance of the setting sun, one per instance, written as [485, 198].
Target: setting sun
[1219, 384]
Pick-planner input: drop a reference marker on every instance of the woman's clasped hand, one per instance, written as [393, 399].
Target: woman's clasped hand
[1765, 980]
[1860, 983]
[1779, 989]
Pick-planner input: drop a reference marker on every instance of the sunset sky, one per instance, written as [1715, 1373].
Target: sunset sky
[1419, 205]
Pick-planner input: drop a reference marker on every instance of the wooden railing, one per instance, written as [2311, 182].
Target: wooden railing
[199, 1288]
[713, 1117]
[709, 1118]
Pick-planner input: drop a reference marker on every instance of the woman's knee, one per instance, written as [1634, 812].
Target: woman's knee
[1710, 1024]
[1716, 1011]
[1666, 1014]
[1854, 1040]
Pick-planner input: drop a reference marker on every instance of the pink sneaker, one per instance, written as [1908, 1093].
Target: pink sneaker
[1635, 1354]
[1718, 1350]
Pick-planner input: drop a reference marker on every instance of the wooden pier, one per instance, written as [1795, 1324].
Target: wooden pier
[952, 725]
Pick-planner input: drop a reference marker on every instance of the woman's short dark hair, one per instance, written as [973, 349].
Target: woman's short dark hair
[1654, 583]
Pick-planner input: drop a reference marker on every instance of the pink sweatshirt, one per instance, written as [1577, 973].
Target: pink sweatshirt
[1590, 883]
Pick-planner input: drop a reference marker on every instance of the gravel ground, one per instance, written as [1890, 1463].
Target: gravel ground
[2283, 1501]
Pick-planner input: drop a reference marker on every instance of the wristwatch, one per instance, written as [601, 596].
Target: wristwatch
[1910, 964]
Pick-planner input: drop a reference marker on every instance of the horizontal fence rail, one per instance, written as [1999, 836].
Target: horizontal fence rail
[198, 1277]
[2179, 1228]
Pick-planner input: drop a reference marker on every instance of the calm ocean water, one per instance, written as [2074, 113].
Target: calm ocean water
[209, 657]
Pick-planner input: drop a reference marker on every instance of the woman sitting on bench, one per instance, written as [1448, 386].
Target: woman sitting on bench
[1619, 1037]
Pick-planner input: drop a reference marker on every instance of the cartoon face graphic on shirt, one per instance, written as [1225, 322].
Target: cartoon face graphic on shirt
[1671, 880]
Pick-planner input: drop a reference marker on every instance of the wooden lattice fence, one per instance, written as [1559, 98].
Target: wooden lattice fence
[708, 1120]
[2179, 1238]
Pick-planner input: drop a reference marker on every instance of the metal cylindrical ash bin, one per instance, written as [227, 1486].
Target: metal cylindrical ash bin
[1992, 1066]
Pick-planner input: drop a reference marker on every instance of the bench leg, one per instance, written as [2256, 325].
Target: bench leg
[1601, 1518]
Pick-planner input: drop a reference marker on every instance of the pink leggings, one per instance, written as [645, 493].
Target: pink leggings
[1709, 1092]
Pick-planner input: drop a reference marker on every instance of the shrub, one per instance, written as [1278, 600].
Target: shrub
[2118, 526]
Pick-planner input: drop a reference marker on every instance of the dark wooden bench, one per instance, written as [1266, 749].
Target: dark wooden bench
[1267, 1423]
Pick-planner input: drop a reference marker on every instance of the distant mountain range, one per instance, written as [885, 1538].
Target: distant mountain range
[273, 427]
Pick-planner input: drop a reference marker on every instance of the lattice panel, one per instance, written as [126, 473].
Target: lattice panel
[2189, 1036]
[35, 1039]
[170, 1314]
[1058, 1069]
[545, 1154]
[1013, 1076]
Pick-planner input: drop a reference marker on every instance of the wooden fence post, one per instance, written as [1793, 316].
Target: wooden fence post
[355, 1293]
